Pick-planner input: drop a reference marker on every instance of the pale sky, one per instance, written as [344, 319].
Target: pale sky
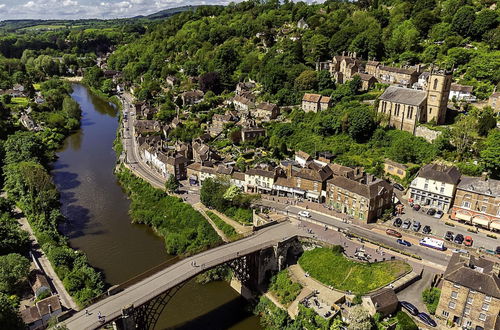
[76, 9]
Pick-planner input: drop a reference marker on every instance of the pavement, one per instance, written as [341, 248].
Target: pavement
[65, 298]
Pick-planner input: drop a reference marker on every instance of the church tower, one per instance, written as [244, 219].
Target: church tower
[438, 91]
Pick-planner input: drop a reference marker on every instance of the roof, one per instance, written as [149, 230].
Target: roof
[461, 88]
[399, 70]
[441, 173]
[267, 106]
[404, 95]
[195, 93]
[302, 154]
[384, 298]
[374, 63]
[369, 190]
[480, 185]
[325, 99]
[395, 164]
[311, 97]
[43, 305]
[312, 174]
[242, 99]
[285, 182]
[238, 176]
[253, 129]
[40, 281]
[30, 315]
[260, 172]
[338, 169]
[365, 76]
[475, 273]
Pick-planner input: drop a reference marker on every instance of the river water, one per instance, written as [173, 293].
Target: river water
[99, 225]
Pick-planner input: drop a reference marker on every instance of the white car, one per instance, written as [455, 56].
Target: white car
[305, 214]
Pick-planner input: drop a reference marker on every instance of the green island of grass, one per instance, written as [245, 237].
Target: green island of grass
[331, 267]
[227, 229]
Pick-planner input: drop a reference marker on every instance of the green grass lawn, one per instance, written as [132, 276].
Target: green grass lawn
[227, 229]
[333, 268]
[20, 100]
[284, 288]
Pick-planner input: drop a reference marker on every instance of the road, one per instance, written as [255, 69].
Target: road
[162, 281]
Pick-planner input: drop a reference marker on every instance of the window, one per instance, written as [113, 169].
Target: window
[452, 304]
[483, 208]
[466, 204]
[410, 113]
[426, 186]
[445, 313]
[441, 190]
[485, 307]
[435, 84]
[467, 310]
[454, 294]
[482, 317]
[470, 300]
[487, 298]
[468, 323]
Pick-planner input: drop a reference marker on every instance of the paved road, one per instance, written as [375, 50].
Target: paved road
[178, 273]
[432, 258]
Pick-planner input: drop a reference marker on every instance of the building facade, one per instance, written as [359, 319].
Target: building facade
[477, 201]
[435, 186]
[470, 294]
[315, 102]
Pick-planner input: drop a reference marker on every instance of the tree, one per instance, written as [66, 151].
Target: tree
[325, 80]
[172, 184]
[361, 123]
[463, 21]
[93, 76]
[486, 121]
[354, 84]
[9, 315]
[490, 155]
[210, 81]
[12, 238]
[307, 80]
[14, 269]
[485, 20]
[430, 296]
[72, 108]
[359, 319]
[23, 146]
[463, 135]
[232, 192]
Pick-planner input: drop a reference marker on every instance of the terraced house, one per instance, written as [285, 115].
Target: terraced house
[470, 295]
[364, 199]
[477, 200]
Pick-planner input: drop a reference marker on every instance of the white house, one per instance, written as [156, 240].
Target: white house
[259, 180]
[461, 93]
[303, 158]
[435, 186]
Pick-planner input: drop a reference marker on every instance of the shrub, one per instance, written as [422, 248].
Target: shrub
[430, 297]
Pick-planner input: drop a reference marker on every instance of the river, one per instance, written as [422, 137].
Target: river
[98, 224]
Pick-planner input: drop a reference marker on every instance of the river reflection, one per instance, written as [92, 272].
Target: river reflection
[99, 224]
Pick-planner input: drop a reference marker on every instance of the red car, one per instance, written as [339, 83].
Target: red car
[394, 233]
[468, 241]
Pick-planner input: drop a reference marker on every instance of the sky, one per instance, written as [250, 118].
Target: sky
[76, 9]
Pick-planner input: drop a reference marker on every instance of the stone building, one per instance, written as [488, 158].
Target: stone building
[494, 101]
[392, 75]
[252, 133]
[315, 102]
[367, 81]
[435, 186]
[477, 201]
[192, 97]
[364, 199]
[266, 111]
[344, 67]
[461, 93]
[396, 169]
[470, 294]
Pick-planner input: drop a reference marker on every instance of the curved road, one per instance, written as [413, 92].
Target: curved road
[162, 281]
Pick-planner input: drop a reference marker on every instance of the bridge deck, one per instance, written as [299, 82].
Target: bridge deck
[178, 273]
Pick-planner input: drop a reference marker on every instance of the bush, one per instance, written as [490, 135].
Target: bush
[284, 288]
[405, 322]
[228, 230]
[430, 296]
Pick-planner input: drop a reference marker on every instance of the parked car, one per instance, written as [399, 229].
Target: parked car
[416, 207]
[439, 214]
[468, 241]
[459, 238]
[406, 224]
[460, 251]
[427, 319]
[431, 211]
[409, 307]
[403, 242]
[426, 230]
[497, 250]
[305, 214]
[398, 187]
[393, 232]
[397, 222]
[416, 226]
[449, 236]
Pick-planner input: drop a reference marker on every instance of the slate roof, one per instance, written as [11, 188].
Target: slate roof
[384, 298]
[260, 172]
[30, 315]
[441, 173]
[40, 281]
[475, 273]
[479, 185]
[43, 305]
[312, 174]
[369, 190]
[404, 95]
[461, 88]
[341, 170]
[398, 70]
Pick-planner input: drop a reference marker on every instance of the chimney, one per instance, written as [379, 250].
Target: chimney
[50, 309]
[484, 176]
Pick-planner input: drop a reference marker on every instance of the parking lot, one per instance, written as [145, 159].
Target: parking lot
[439, 228]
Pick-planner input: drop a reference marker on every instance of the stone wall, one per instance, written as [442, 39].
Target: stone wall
[427, 133]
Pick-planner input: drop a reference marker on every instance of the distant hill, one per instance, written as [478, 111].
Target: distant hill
[167, 12]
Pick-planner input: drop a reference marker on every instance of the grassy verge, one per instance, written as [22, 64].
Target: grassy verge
[243, 216]
[20, 101]
[284, 288]
[333, 268]
[228, 230]
[184, 229]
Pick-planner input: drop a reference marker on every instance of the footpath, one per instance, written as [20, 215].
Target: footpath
[66, 300]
